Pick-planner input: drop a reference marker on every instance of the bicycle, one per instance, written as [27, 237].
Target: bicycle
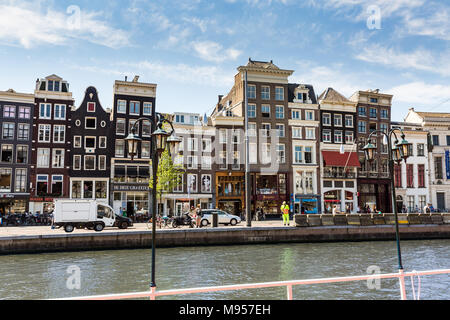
[160, 222]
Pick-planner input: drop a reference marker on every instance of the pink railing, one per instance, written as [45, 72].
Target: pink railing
[153, 293]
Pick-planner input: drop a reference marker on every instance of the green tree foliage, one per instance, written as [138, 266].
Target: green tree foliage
[168, 175]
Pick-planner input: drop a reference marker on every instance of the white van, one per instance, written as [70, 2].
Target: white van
[90, 214]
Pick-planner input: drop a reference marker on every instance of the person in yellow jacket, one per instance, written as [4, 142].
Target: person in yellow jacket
[285, 210]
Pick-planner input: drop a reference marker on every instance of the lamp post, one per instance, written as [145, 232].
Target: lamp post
[160, 139]
[398, 153]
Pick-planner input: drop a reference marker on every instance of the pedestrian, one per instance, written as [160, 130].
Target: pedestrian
[334, 210]
[124, 212]
[198, 213]
[285, 210]
[302, 210]
[427, 209]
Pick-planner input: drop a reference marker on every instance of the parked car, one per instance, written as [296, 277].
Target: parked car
[223, 217]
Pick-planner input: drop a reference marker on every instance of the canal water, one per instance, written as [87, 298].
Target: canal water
[44, 276]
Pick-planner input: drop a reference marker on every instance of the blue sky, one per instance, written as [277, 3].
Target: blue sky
[192, 48]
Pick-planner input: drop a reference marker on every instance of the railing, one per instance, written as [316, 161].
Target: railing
[366, 174]
[339, 175]
[153, 293]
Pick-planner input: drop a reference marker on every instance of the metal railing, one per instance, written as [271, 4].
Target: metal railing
[153, 293]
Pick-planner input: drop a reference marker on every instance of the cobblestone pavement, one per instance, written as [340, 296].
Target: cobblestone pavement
[46, 230]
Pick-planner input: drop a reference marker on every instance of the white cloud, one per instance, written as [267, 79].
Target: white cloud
[26, 24]
[214, 52]
[420, 59]
[422, 94]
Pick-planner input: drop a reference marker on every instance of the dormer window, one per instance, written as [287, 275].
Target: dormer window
[53, 85]
[179, 118]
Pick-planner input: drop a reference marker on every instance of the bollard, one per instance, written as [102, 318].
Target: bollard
[215, 220]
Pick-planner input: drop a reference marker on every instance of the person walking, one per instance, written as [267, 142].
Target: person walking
[285, 210]
[198, 215]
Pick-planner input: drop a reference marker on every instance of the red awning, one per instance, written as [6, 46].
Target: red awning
[336, 159]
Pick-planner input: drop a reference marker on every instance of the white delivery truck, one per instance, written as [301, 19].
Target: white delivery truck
[90, 214]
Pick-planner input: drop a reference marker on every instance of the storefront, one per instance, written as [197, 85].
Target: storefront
[41, 205]
[306, 204]
[270, 191]
[176, 204]
[10, 203]
[230, 192]
[331, 199]
[134, 199]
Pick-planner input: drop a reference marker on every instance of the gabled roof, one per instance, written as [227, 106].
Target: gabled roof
[262, 64]
[433, 114]
[332, 95]
[54, 77]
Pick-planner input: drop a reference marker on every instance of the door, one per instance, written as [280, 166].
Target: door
[440, 200]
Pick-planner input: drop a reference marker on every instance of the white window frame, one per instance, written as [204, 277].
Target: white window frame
[310, 136]
[59, 133]
[264, 131]
[299, 130]
[45, 105]
[253, 87]
[323, 135]
[277, 93]
[62, 156]
[45, 126]
[79, 162]
[347, 118]
[118, 104]
[85, 122]
[95, 142]
[139, 105]
[39, 156]
[326, 116]
[105, 139]
[124, 148]
[265, 93]
[276, 112]
[18, 131]
[100, 167]
[84, 162]
[62, 182]
[294, 113]
[87, 106]
[309, 112]
[283, 135]
[145, 105]
[338, 118]
[75, 139]
[124, 126]
[54, 111]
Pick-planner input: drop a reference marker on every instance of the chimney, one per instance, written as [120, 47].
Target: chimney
[126, 78]
[136, 78]
[220, 97]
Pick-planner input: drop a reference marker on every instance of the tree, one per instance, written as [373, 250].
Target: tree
[168, 175]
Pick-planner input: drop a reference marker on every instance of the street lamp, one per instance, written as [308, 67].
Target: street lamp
[399, 152]
[160, 139]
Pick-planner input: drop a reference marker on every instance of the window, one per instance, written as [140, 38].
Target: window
[91, 107]
[179, 187]
[252, 111]
[45, 111]
[411, 203]
[265, 153]
[206, 162]
[192, 183]
[179, 118]
[348, 137]
[59, 134]
[101, 162]
[102, 142]
[383, 127]
[77, 162]
[265, 129]
[438, 167]
[338, 136]
[223, 136]
[89, 162]
[279, 93]
[57, 185]
[58, 158]
[7, 153]
[296, 132]
[384, 114]
[296, 114]
[326, 135]
[121, 106]
[279, 112]
[192, 144]
[120, 126]
[309, 115]
[236, 160]
[298, 154]
[362, 111]
[23, 131]
[251, 91]
[373, 113]
[88, 189]
[410, 176]
[435, 140]
[374, 100]
[8, 131]
[265, 93]
[349, 121]
[421, 149]
[280, 130]
[77, 141]
[236, 137]
[253, 150]
[90, 123]
[145, 149]
[22, 154]
[147, 109]
[223, 160]
[5, 180]
[398, 175]
[53, 85]
[60, 112]
[308, 155]
[24, 113]
[90, 142]
[42, 185]
[421, 175]
[448, 140]
[9, 112]
[43, 158]
[310, 133]
[281, 153]
[120, 148]
[338, 120]
[146, 128]
[326, 119]
[362, 127]
[21, 180]
[134, 107]
[265, 111]
[44, 133]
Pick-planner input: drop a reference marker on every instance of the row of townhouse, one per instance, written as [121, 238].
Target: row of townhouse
[303, 148]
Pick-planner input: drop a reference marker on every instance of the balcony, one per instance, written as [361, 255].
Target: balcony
[374, 175]
[339, 175]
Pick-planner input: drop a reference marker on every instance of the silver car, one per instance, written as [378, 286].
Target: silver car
[223, 217]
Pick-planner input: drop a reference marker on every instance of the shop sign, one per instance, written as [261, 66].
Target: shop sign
[130, 188]
[6, 195]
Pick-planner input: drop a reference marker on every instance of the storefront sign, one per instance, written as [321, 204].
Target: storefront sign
[6, 195]
[130, 188]
[41, 199]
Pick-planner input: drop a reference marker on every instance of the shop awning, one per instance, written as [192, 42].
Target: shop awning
[336, 159]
